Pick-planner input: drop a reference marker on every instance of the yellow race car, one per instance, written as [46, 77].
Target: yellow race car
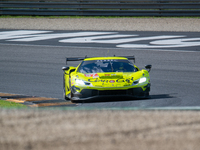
[101, 78]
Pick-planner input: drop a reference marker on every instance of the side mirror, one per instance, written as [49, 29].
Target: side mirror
[65, 68]
[148, 67]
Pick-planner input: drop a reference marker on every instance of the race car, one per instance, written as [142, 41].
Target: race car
[100, 78]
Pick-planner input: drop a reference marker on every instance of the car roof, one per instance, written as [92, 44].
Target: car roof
[104, 58]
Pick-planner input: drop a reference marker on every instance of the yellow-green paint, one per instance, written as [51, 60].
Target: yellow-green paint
[121, 80]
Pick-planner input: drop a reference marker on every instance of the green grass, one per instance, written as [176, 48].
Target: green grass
[7, 104]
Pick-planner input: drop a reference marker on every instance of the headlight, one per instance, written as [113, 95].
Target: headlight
[142, 80]
[81, 82]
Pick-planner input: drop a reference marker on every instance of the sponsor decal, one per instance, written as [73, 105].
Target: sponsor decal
[112, 81]
[97, 80]
[120, 80]
[128, 81]
[107, 75]
[92, 75]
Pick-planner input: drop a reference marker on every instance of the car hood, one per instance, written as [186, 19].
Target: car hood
[112, 79]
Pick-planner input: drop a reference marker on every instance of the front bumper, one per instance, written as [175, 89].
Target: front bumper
[93, 94]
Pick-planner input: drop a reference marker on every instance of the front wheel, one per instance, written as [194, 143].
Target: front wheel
[147, 96]
[64, 91]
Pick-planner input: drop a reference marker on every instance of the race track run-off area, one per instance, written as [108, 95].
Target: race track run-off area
[31, 62]
[135, 40]
[31, 73]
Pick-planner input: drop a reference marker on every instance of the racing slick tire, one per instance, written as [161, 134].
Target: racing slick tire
[64, 96]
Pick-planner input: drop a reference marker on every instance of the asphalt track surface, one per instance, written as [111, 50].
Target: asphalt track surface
[34, 68]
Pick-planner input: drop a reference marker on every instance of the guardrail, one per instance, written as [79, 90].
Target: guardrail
[101, 7]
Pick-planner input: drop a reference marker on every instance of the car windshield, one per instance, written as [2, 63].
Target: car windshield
[98, 66]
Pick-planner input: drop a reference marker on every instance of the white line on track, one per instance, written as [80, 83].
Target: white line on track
[160, 50]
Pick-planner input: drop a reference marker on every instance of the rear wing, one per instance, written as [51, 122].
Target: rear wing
[129, 57]
[75, 59]
[82, 58]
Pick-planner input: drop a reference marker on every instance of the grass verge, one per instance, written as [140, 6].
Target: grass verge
[7, 104]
